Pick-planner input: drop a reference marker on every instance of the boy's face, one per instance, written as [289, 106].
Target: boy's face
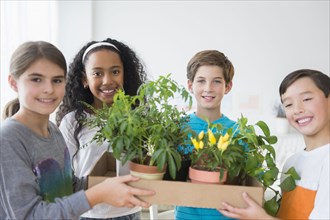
[209, 87]
[307, 108]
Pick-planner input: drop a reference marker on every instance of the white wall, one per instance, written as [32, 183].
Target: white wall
[74, 26]
[23, 21]
[265, 40]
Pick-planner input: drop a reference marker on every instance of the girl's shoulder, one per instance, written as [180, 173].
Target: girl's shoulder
[10, 126]
[69, 120]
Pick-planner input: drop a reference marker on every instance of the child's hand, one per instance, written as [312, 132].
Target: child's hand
[116, 192]
[253, 211]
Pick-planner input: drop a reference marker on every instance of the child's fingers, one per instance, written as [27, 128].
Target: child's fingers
[230, 208]
[142, 192]
[249, 200]
[137, 202]
[227, 210]
[129, 178]
[228, 214]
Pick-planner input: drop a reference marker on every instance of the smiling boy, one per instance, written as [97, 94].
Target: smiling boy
[305, 95]
[210, 74]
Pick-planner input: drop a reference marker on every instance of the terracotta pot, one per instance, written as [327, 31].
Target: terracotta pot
[203, 176]
[145, 171]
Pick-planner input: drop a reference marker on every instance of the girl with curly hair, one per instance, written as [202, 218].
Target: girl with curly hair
[96, 73]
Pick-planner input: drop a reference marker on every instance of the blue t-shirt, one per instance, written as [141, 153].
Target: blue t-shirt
[190, 213]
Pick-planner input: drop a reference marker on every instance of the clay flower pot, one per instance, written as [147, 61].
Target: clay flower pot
[203, 176]
[145, 171]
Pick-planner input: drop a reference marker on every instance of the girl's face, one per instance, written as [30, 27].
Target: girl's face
[40, 88]
[307, 108]
[209, 87]
[104, 76]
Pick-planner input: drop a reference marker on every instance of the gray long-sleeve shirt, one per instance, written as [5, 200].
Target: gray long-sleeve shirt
[36, 176]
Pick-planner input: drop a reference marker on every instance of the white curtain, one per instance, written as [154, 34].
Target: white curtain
[24, 21]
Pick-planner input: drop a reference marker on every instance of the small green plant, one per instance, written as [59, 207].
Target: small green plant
[243, 152]
[214, 151]
[145, 127]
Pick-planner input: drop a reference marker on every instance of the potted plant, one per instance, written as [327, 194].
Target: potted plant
[211, 157]
[145, 128]
[240, 153]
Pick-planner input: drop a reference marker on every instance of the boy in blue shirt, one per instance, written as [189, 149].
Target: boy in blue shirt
[210, 74]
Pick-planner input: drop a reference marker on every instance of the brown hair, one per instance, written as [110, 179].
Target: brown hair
[22, 58]
[321, 80]
[210, 57]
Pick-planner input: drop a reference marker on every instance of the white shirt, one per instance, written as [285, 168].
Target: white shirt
[84, 161]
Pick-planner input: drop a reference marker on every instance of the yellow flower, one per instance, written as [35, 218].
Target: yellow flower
[201, 144]
[223, 146]
[195, 143]
[211, 137]
[201, 135]
[226, 137]
[223, 142]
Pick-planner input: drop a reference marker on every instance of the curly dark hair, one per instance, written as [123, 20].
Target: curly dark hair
[75, 93]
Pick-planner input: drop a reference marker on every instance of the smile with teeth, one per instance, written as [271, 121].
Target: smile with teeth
[208, 97]
[46, 100]
[304, 120]
[108, 91]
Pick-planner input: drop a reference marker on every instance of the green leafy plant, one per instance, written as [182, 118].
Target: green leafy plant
[145, 127]
[245, 150]
[214, 151]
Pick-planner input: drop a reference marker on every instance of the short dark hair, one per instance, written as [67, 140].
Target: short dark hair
[321, 80]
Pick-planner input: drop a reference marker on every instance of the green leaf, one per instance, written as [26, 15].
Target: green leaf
[251, 163]
[271, 206]
[271, 139]
[264, 127]
[271, 151]
[270, 176]
[292, 172]
[288, 184]
[161, 161]
[171, 165]
[270, 162]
